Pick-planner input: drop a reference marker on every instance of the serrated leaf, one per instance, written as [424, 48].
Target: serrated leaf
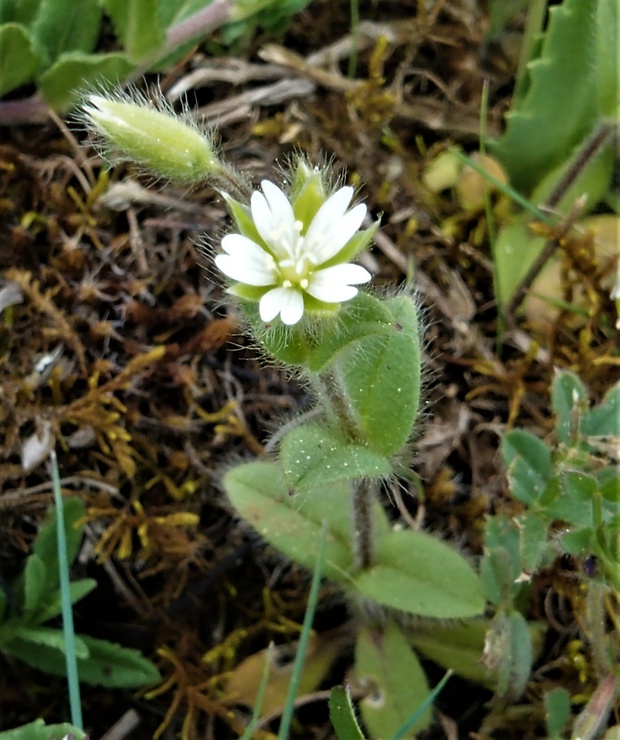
[77, 590]
[528, 460]
[28, 643]
[38, 730]
[385, 661]
[561, 105]
[293, 523]
[68, 26]
[312, 456]
[18, 59]
[342, 715]
[138, 25]
[100, 663]
[419, 574]
[115, 666]
[75, 71]
[45, 546]
[569, 398]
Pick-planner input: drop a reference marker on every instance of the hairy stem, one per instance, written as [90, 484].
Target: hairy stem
[362, 502]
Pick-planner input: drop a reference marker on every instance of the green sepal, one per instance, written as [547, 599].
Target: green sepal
[358, 243]
[242, 216]
[419, 574]
[385, 663]
[308, 194]
[313, 456]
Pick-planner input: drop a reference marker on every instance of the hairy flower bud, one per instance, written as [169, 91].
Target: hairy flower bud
[151, 135]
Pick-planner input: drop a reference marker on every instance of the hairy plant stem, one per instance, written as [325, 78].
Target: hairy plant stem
[362, 503]
[363, 492]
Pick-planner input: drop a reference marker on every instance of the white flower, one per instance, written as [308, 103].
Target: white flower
[294, 264]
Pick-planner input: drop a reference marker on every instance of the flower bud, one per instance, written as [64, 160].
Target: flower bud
[151, 135]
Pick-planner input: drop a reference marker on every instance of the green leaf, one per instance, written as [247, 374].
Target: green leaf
[385, 662]
[45, 544]
[20, 11]
[68, 26]
[528, 460]
[38, 730]
[77, 590]
[293, 523]
[557, 711]
[604, 419]
[364, 316]
[138, 25]
[312, 456]
[419, 574]
[514, 252]
[569, 399]
[574, 506]
[342, 715]
[28, 643]
[115, 666]
[561, 105]
[75, 71]
[509, 654]
[18, 59]
[607, 12]
[533, 534]
[457, 645]
[35, 586]
[100, 663]
[381, 378]
[499, 570]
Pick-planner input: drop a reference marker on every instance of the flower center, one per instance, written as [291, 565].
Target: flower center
[297, 267]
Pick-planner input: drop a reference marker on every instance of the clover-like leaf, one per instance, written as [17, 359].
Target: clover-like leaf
[529, 464]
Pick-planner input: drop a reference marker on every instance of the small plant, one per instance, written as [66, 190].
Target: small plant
[570, 492]
[34, 599]
[53, 43]
[290, 269]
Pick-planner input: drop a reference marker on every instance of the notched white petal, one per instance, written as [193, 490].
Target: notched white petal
[287, 302]
[245, 272]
